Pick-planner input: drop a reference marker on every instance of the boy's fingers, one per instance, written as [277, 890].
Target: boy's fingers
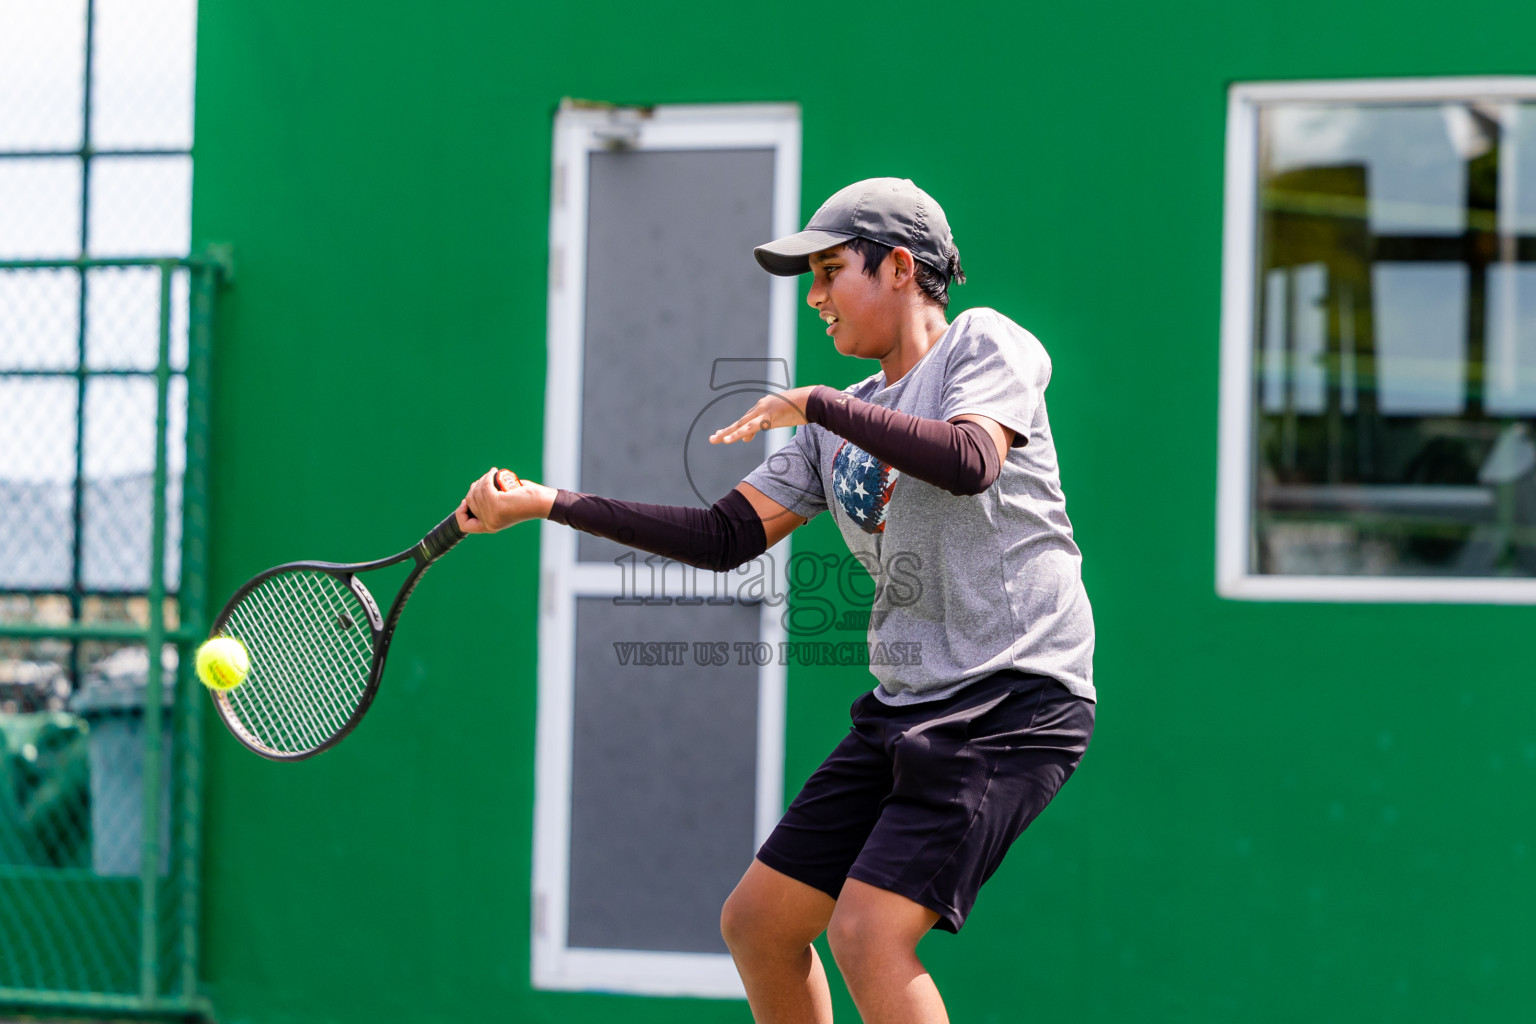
[476, 499]
[467, 522]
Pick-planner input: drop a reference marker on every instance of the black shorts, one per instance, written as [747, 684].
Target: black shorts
[924, 800]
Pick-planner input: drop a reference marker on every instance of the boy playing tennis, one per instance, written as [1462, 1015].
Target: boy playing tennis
[945, 459]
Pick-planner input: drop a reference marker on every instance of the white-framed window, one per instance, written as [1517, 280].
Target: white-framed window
[1378, 342]
[660, 724]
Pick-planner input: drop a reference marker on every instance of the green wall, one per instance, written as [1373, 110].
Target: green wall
[1289, 811]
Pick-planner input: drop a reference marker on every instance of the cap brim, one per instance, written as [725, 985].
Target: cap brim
[791, 254]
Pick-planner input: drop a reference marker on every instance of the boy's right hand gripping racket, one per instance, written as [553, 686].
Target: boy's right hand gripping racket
[317, 644]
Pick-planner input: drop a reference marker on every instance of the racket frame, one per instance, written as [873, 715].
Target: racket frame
[437, 543]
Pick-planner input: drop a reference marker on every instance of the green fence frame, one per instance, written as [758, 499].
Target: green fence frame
[167, 983]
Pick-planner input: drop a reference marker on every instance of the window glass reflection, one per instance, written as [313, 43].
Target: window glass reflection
[1395, 340]
[1421, 349]
[1517, 173]
[1512, 340]
[1418, 178]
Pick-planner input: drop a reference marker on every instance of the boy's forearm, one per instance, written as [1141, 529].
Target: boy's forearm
[959, 457]
[718, 538]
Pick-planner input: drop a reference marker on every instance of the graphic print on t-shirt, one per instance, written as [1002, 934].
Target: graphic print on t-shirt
[863, 485]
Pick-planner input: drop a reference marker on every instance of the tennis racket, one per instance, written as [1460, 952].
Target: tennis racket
[317, 644]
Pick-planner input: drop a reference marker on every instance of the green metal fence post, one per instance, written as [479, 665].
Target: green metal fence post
[204, 278]
[149, 857]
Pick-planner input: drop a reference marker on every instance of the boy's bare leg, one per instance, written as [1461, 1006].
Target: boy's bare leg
[874, 934]
[769, 922]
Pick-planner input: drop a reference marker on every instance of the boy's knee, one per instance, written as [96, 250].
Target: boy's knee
[853, 939]
[769, 916]
[736, 921]
[749, 926]
[871, 929]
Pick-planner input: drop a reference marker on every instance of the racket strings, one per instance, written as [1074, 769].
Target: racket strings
[311, 651]
[286, 695]
[328, 702]
[315, 673]
[318, 596]
[284, 706]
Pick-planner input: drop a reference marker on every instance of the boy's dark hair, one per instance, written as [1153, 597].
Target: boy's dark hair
[935, 285]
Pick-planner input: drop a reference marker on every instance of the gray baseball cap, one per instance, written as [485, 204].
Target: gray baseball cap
[891, 211]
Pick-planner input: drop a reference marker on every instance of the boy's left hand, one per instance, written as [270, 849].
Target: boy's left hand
[780, 409]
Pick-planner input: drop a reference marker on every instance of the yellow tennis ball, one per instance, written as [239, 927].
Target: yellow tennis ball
[222, 663]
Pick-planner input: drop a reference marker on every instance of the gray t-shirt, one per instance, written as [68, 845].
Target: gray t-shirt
[965, 585]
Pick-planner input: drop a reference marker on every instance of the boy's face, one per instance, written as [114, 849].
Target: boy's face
[861, 312]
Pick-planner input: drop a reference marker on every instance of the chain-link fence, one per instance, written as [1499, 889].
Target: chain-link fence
[104, 423]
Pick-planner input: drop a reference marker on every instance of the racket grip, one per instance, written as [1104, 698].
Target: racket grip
[442, 538]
